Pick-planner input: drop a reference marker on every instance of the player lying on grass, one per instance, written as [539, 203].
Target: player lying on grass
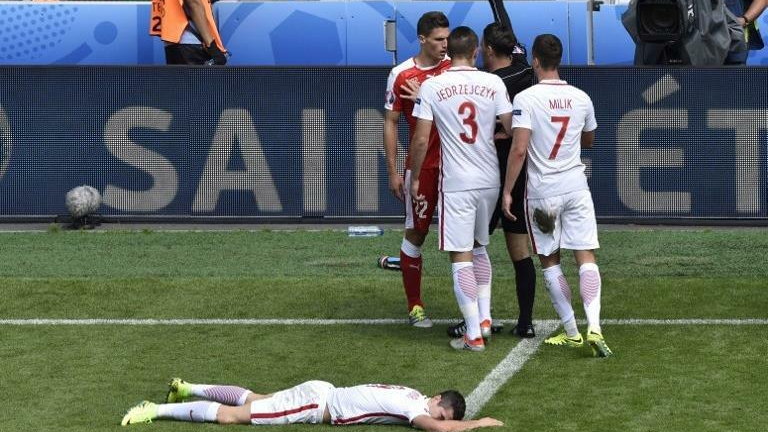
[310, 402]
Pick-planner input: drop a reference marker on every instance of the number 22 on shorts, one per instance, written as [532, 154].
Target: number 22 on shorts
[420, 207]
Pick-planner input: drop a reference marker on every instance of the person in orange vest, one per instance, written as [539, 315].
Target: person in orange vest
[189, 31]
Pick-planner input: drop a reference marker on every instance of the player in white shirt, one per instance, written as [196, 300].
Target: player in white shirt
[552, 121]
[463, 102]
[312, 402]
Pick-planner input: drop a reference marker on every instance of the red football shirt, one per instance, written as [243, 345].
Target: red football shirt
[401, 73]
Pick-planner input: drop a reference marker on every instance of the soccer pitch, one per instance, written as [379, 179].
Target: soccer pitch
[94, 322]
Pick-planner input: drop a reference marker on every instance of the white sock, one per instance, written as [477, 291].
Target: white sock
[590, 286]
[465, 289]
[560, 294]
[198, 411]
[410, 249]
[483, 275]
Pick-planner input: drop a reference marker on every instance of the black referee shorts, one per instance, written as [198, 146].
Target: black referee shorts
[518, 196]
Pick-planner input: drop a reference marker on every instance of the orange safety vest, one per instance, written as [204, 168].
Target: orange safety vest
[168, 21]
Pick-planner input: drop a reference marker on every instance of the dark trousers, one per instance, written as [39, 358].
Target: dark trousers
[185, 54]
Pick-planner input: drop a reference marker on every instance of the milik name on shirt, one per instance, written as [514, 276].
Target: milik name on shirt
[560, 104]
[465, 89]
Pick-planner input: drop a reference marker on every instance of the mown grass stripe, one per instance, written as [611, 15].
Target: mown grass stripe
[319, 322]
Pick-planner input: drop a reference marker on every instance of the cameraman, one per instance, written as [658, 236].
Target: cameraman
[747, 12]
[683, 32]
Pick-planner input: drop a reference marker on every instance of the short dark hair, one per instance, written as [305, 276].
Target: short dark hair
[500, 38]
[454, 400]
[549, 50]
[430, 21]
[462, 42]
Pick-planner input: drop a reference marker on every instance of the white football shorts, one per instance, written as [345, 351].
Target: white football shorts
[304, 403]
[575, 227]
[464, 218]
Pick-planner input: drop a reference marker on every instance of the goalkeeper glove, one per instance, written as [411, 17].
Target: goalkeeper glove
[218, 57]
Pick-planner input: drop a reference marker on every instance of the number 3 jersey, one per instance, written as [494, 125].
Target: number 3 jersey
[463, 102]
[556, 114]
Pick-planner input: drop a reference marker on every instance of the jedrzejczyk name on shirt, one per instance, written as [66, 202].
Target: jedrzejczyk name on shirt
[465, 89]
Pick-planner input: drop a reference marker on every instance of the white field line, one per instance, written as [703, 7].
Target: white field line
[42, 228]
[686, 321]
[511, 364]
[319, 322]
[170, 230]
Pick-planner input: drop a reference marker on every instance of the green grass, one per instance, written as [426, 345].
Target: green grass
[663, 378]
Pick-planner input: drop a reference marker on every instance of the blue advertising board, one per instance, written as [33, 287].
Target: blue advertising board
[276, 142]
[286, 33]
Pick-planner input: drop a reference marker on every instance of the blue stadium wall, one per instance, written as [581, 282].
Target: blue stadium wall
[283, 33]
[305, 142]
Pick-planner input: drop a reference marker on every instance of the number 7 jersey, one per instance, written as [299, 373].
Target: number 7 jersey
[556, 114]
[463, 103]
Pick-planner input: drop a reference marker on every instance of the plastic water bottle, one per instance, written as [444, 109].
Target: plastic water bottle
[364, 231]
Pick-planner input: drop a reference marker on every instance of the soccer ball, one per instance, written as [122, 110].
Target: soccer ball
[82, 201]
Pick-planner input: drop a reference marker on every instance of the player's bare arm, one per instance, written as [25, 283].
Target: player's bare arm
[520, 139]
[418, 150]
[588, 139]
[390, 151]
[501, 134]
[410, 89]
[430, 424]
[506, 122]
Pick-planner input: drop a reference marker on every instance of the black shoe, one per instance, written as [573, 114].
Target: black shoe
[457, 330]
[497, 328]
[524, 331]
[389, 263]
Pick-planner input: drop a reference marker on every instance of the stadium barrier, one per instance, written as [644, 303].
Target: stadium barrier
[305, 143]
[305, 33]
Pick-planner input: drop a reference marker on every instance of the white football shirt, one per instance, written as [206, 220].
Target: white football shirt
[376, 404]
[463, 102]
[556, 113]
